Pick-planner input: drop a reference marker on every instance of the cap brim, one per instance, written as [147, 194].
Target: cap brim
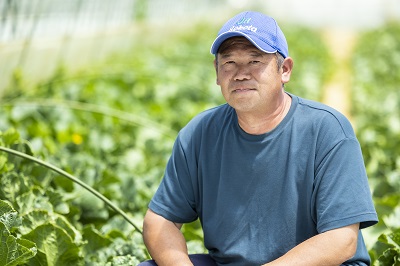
[254, 40]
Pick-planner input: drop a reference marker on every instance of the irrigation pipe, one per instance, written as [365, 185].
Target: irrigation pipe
[74, 179]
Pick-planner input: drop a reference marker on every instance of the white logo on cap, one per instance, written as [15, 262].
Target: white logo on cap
[241, 28]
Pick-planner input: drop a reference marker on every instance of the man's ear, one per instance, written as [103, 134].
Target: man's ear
[216, 70]
[287, 67]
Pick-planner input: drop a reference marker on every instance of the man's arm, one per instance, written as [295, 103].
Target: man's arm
[164, 240]
[329, 248]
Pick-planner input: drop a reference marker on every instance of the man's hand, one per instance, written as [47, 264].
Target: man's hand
[329, 248]
[164, 240]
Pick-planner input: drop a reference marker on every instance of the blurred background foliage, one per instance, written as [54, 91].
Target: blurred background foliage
[376, 112]
[112, 124]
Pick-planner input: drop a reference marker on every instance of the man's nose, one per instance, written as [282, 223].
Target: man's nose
[242, 72]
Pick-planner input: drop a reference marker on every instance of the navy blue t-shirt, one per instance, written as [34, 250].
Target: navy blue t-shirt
[258, 196]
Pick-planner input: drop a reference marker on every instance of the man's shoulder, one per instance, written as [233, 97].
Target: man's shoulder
[318, 107]
[207, 125]
[325, 116]
[216, 112]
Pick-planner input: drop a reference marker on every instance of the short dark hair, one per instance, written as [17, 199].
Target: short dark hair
[279, 60]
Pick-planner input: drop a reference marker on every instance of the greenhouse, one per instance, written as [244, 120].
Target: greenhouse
[94, 93]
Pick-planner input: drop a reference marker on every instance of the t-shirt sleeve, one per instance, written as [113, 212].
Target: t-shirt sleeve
[174, 198]
[342, 195]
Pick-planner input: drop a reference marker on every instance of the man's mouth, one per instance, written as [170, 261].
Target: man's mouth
[242, 90]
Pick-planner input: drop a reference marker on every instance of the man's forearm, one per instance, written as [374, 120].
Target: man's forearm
[164, 241]
[329, 248]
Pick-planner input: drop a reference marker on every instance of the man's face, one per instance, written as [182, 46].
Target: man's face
[249, 78]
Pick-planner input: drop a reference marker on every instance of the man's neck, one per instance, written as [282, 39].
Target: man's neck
[257, 124]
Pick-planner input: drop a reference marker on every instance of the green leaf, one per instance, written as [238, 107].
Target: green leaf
[57, 248]
[92, 207]
[5, 207]
[10, 137]
[3, 163]
[393, 219]
[395, 237]
[387, 249]
[33, 219]
[26, 250]
[14, 251]
[123, 261]
[118, 248]
[58, 201]
[8, 216]
[390, 257]
[63, 223]
[33, 199]
[12, 184]
[36, 218]
[94, 240]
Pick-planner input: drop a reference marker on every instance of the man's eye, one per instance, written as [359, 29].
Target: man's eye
[254, 62]
[229, 62]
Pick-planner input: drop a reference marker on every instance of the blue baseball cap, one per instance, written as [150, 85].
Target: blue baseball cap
[261, 30]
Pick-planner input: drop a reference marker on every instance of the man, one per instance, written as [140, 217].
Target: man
[274, 179]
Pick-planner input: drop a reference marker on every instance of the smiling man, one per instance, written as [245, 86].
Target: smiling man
[275, 179]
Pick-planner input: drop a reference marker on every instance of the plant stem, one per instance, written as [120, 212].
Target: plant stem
[74, 179]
